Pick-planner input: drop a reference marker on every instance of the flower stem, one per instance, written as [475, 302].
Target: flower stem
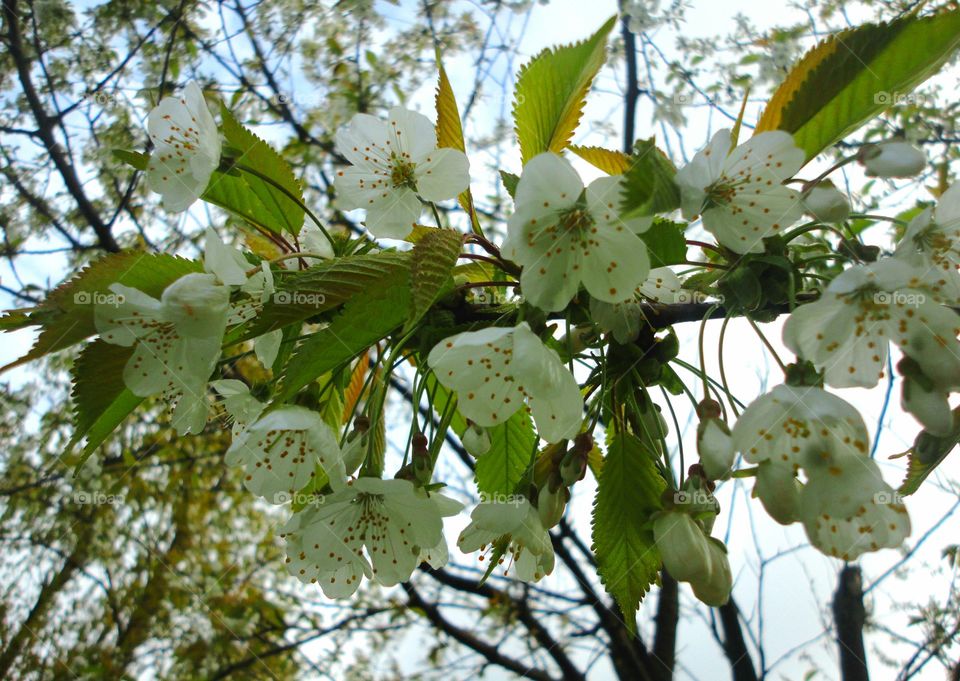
[766, 342]
[286, 192]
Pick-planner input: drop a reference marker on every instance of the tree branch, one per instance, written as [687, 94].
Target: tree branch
[849, 616]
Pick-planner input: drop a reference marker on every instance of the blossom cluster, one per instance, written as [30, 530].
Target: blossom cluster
[572, 253]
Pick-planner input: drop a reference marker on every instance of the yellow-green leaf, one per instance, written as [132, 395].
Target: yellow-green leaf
[854, 75]
[450, 133]
[551, 91]
[609, 161]
[432, 262]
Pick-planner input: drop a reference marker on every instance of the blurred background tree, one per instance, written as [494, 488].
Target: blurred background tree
[154, 562]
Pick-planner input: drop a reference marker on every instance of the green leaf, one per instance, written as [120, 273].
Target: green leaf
[927, 453]
[852, 76]
[648, 185]
[510, 182]
[136, 159]
[433, 260]
[609, 161]
[101, 400]
[304, 294]
[66, 316]
[450, 132]
[665, 243]
[628, 494]
[253, 198]
[364, 320]
[551, 91]
[512, 446]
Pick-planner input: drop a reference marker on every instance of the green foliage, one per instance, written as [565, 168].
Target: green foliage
[134, 159]
[305, 293]
[927, 453]
[434, 257]
[261, 202]
[854, 75]
[665, 243]
[551, 91]
[101, 400]
[510, 182]
[609, 161]
[628, 494]
[450, 132]
[512, 445]
[66, 316]
[648, 186]
[365, 319]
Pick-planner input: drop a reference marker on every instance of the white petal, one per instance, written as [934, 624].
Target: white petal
[552, 391]
[548, 179]
[615, 263]
[771, 155]
[267, 346]
[442, 174]
[226, 262]
[412, 132]
[394, 215]
[703, 170]
[363, 142]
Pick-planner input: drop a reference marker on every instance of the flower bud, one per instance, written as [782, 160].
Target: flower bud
[196, 305]
[715, 447]
[825, 203]
[714, 589]
[475, 440]
[355, 450]
[573, 467]
[551, 504]
[892, 159]
[421, 461]
[682, 546]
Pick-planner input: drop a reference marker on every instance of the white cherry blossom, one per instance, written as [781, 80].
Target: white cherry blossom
[564, 236]
[395, 164]
[176, 342]
[893, 159]
[793, 425]
[516, 523]
[846, 331]
[186, 148]
[850, 510]
[932, 243]
[739, 192]
[496, 369]
[281, 450]
[395, 523]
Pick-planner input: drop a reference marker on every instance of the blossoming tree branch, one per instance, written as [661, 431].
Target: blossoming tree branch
[546, 348]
